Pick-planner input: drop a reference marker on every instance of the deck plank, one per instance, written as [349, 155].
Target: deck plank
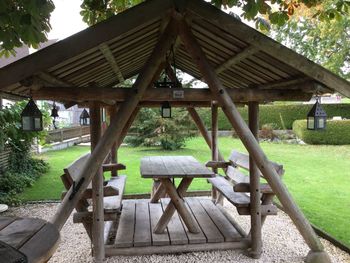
[225, 227]
[193, 238]
[42, 245]
[142, 235]
[126, 228]
[176, 230]
[156, 212]
[19, 231]
[5, 221]
[208, 227]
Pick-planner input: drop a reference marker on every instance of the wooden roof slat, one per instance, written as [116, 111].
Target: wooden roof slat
[248, 51]
[111, 60]
[268, 45]
[82, 41]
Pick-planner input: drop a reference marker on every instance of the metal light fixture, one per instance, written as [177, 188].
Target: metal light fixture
[54, 114]
[84, 118]
[317, 117]
[166, 110]
[32, 118]
[167, 83]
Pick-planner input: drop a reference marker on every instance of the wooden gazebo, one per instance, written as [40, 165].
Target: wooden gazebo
[239, 64]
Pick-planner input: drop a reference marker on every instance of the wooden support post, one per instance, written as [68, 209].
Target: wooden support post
[118, 123]
[97, 188]
[214, 143]
[127, 127]
[254, 178]
[201, 127]
[1, 102]
[249, 140]
[112, 110]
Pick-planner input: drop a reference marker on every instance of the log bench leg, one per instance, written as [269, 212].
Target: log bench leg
[158, 191]
[176, 203]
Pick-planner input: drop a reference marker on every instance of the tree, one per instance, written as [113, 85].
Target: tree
[23, 22]
[27, 21]
[323, 40]
[150, 129]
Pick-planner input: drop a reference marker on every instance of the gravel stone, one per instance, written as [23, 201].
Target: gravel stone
[282, 242]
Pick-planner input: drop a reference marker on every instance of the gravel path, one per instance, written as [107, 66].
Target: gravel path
[282, 242]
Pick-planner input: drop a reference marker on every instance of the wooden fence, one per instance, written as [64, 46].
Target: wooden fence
[4, 158]
[67, 133]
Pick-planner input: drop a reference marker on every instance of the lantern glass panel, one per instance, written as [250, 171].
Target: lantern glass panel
[37, 123]
[26, 123]
[166, 112]
[321, 123]
[310, 123]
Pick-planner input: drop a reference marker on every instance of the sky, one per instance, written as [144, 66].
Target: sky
[66, 19]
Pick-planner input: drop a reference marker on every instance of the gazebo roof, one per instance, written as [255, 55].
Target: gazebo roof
[117, 49]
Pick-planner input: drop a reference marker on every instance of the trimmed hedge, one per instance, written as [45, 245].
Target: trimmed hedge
[336, 133]
[280, 116]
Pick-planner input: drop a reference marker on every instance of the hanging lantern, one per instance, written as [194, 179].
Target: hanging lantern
[84, 118]
[54, 114]
[32, 118]
[166, 110]
[167, 83]
[317, 117]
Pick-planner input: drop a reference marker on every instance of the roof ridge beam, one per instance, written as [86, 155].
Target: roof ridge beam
[107, 53]
[246, 52]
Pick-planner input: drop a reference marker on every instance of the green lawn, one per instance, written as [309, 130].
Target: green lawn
[317, 176]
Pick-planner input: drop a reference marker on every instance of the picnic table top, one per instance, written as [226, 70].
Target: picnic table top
[173, 166]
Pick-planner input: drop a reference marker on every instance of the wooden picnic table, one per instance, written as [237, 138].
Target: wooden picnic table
[165, 168]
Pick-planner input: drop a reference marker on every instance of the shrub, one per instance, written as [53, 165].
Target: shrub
[23, 170]
[267, 132]
[15, 179]
[336, 133]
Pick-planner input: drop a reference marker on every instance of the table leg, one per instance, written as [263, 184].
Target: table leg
[176, 203]
[159, 193]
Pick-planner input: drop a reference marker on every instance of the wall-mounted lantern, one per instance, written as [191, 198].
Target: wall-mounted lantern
[32, 118]
[84, 118]
[165, 110]
[317, 117]
[54, 114]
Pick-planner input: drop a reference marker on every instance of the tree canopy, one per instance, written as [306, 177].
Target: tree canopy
[323, 39]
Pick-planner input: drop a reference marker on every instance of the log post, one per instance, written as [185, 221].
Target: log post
[202, 129]
[97, 187]
[115, 129]
[214, 143]
[254, 178]
[1, 102]
[112, 110]
[249, 141]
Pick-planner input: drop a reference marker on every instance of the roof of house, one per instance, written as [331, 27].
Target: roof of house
[117, 49]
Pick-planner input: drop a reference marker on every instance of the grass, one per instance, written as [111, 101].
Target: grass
[317, 176]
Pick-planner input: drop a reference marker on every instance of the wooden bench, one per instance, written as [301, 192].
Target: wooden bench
[113, 192]
[235, 185]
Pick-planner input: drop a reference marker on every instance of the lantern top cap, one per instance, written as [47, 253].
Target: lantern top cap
[84, 114]
[31, 109]
[317, 110]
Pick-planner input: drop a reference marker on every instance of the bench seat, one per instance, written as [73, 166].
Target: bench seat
[224, 186]
[114, 203]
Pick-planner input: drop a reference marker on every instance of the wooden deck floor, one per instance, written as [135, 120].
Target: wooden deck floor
[134, 233]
